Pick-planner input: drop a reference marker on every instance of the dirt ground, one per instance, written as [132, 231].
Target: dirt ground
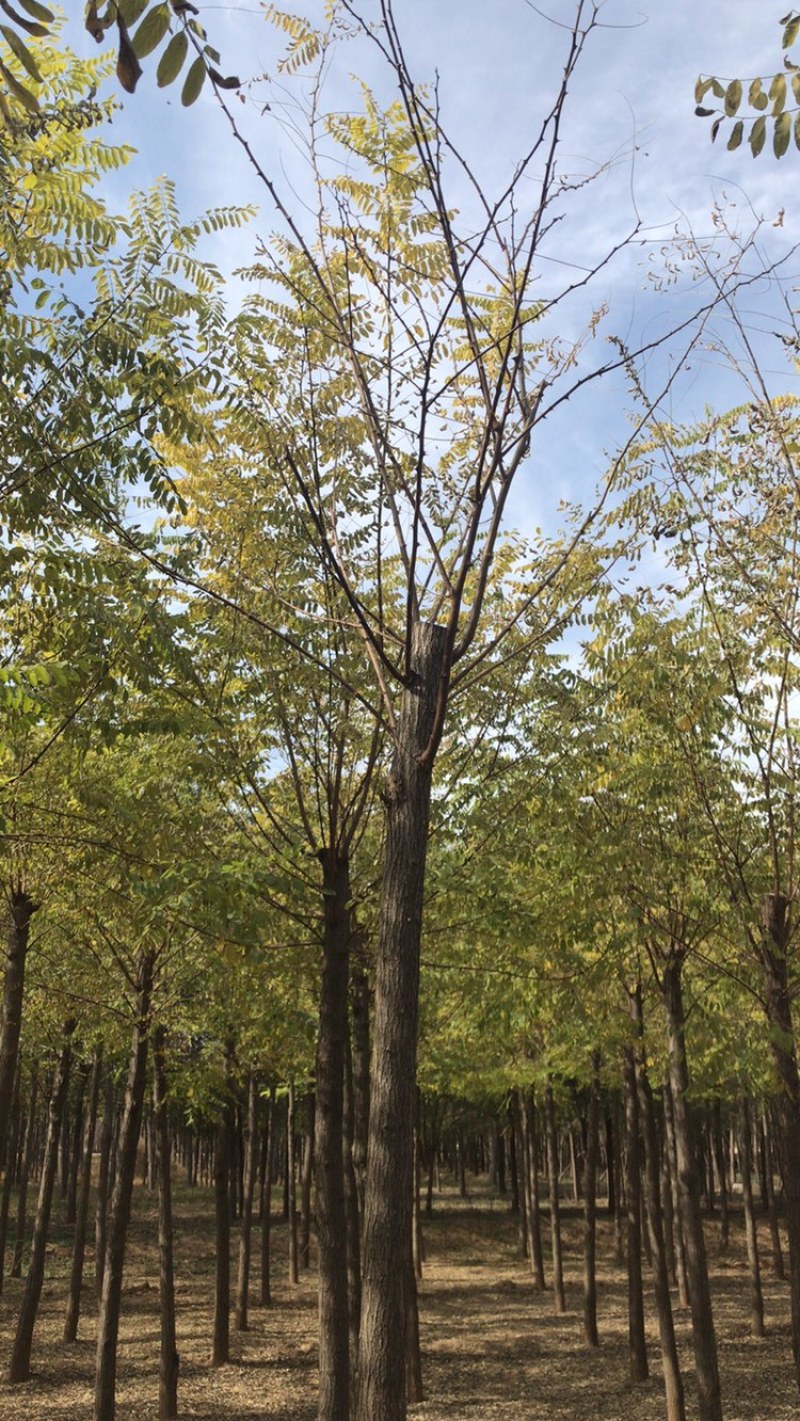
[491, 1347]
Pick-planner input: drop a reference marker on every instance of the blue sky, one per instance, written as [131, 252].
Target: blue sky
[497, 61]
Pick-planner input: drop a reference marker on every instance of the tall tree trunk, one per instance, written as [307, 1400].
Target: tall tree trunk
[266, 1202]
[722, 1175]
[703, 1335]
[352, 1214]
[223, 1150]
[75, 1151]
[104, 1178]
[590, 1210]
[306, 1181]
[291, 1187]
[559, 1298]
[776, 930]
[533, 1217]
[678, 1222]
[637, 1345]
[20, 1365]
[387, 1214]
[673, 1381]
[770, 1200]
[751, 1234]
[12, 1166]
[334, 1309]
[24, 1175]
[248, 1192]
[360, 1037]
[21, 910]
[120, 1209]
[168, 1355]
[82, 1204]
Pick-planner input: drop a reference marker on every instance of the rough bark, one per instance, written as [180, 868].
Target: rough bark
[703, 1335]
[351, 1204]
[120, 1208]
[266, 1202]
[291, 1187]
[770, 1201]
[751, 1233]
[223, 1149]
[168, 1353]
[24, 1175]
[359, 1017]
[21, 910]
[533, 1218]
[20, 1365]
[673, 1381]
[722, 1175]
[104, 1179]
[559, 1297]
[387, 1213]
[776, 926]
[82, 1204]
[678, 1224]
[306, 1181]
[637, 1346]
[248, 1194]
[590, 1211]
[12, 1165]
[330, 1144]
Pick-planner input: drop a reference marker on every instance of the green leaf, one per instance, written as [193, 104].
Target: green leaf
[757, 135]
[21, 51]
[29, 26]
[791, 32]
[756, 96]
[171, 61]
[733, 97]
[194, 82]
[701, 88]
[26, 98]
[132, 10]
[151, 31]
[797, 131]
[782, 134]
[39, 12]
[737, 133]
[777, 93]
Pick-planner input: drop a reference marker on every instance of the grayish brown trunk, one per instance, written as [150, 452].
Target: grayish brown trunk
[168, 1352]
[266, 1202]
[590, 1210]
[223, 1150]
[331, 1145]
[776, 925]
[82, 1205]
[673, 1381]
[703, 1335]
[751, 1234]
[21, 910]
[387, 1214]
[559, 1298]
[248, 1194]
[20, 1365]
[637, 1346]
[120, 1208]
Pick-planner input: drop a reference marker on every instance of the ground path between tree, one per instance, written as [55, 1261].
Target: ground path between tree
[492, 1349]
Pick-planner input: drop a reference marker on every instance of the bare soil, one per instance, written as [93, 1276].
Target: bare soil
[492, 1348]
